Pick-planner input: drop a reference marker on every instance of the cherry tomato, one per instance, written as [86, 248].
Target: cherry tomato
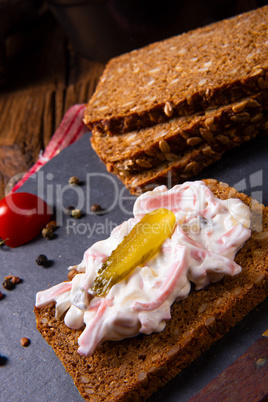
[22, 217]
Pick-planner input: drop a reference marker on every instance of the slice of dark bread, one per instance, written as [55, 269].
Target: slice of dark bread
[133, 369]
[211, 66]
[183, 167]
[149, 147]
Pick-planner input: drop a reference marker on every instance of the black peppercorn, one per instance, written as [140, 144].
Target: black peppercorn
[8, 284]
[3, 360]
[42, 260]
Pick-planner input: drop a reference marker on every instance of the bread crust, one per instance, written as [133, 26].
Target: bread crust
[221, 129]
[135, 368]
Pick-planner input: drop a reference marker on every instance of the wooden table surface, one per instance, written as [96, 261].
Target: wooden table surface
[45, 76]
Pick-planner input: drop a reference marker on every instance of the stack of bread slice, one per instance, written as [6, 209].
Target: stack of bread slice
[162, 113]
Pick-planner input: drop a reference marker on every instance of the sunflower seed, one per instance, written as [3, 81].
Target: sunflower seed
[168, 109]
[241, 117]
[164, 147]
[192, 141]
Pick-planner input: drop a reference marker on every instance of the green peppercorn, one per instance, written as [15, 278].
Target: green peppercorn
[76, 213]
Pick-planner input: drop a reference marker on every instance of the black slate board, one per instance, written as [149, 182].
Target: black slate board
[34, 373]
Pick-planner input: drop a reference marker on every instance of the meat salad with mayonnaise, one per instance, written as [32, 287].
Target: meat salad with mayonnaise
[201, 250]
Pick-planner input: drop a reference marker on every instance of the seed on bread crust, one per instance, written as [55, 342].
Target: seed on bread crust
[212, 181]
[158, 371]
[143, 378]
[161, 156]
[240, 106]
[207, 150]
[90, 391]
[257, 118]
[143, 163]
[171, 157]
[209, 123]
[237, 291]
[259, 279]
[206, 134]
[223, 139]
[262, 83]
[191, 167]
[150, 152]
[211, 325]
[192, 141]
[173, 352]
[84, 379]
[220, 327]
[240, 117]
[202, 308]
[168, 109]
[164, 146]
[257, 71]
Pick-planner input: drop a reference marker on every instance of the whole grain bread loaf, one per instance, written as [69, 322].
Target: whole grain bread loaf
[150, 147]
[133, 369]
[211, 66]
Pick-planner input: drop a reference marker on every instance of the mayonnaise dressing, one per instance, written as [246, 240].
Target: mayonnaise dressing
[208, 233]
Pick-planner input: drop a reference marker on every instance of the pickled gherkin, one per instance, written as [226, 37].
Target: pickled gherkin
[139, 246]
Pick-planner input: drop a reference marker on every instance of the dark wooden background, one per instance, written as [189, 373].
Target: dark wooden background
[41, 76]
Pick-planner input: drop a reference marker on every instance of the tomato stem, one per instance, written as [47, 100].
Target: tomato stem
[2, 242]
